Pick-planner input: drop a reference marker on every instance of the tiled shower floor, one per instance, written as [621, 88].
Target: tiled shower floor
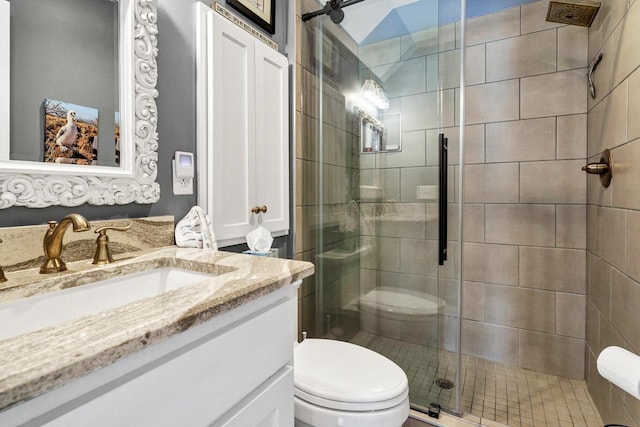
[490, 391]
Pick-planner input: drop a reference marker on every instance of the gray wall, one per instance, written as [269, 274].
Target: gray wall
[176, 116]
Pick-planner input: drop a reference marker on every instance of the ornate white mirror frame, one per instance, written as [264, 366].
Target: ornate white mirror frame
[36, 185]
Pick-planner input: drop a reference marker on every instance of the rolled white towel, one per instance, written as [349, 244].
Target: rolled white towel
[622, 368]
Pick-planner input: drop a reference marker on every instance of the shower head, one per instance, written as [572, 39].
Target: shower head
[573, 12]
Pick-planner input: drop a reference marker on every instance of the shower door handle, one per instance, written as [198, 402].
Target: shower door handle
[443, 150]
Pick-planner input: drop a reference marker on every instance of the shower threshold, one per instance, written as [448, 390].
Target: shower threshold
[420, 419]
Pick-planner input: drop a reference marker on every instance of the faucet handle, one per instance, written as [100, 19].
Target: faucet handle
[103, 230]
[103, 253]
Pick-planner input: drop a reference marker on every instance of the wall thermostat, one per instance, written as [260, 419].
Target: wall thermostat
[183, 171]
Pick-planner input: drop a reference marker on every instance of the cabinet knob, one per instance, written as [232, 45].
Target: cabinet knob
[258, 209]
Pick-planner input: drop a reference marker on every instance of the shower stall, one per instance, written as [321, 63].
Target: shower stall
[472, 279]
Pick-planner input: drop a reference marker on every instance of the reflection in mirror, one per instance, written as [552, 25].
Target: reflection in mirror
[371, 133]
[82, 91]
[379, 129]
[393, 132]
[382, 135]
[64, 58]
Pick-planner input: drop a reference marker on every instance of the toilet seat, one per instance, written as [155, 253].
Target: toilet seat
[346, 377]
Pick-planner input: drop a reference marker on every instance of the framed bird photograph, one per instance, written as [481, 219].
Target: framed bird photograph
[70, 133]
[262, 12]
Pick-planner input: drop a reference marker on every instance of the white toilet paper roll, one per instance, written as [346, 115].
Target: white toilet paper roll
[622, 368]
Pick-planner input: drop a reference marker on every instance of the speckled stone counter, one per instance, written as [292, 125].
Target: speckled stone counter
[37, 362]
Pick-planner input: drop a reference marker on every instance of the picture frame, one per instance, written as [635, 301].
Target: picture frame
[261, 12]
[70, 133]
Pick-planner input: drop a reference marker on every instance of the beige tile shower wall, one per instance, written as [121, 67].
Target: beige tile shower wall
[526, 139]
[525, 286]
[613, 231]
[525, 213]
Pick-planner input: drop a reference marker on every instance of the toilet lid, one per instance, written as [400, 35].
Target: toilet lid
[341, 375]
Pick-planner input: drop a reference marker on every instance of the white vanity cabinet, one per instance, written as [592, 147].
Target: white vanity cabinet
[233, 370]
[243, 130]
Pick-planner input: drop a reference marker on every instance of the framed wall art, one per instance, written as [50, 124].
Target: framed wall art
[261, 12]
[70, 134]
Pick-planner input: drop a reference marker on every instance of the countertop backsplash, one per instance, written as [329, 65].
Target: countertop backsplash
[22, 246]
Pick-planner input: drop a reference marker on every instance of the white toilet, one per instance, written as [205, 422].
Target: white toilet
[342, 384]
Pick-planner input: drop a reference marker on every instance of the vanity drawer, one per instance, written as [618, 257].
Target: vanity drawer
[202, 383]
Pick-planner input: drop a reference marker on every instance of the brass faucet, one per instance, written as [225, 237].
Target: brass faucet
[2, 278]
[52, 243]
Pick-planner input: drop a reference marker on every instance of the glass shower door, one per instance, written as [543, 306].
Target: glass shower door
[380, 91]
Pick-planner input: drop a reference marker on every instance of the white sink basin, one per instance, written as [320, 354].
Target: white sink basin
[37, 312]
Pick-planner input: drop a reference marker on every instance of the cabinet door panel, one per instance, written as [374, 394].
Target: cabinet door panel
[270, 405]
[233, 160]
[243, 130]
[272, 137]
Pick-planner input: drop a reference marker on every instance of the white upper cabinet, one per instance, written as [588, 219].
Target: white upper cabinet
[243, 130]
[272, 136]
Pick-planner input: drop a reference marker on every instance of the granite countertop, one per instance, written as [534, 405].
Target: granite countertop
[36, 362]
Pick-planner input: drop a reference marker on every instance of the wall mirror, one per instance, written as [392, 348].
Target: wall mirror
[78, 115]
[380, 135]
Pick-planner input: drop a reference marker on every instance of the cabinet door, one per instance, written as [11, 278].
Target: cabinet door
[271, 405]
[272, 137]
[232, 127]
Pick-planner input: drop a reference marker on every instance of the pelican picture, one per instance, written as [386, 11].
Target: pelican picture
[70, 133]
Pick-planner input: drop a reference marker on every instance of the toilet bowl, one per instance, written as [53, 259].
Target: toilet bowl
[402, 314]
[342, 384]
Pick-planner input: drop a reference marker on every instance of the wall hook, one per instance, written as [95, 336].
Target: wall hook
[604, 168]
[592, 68]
